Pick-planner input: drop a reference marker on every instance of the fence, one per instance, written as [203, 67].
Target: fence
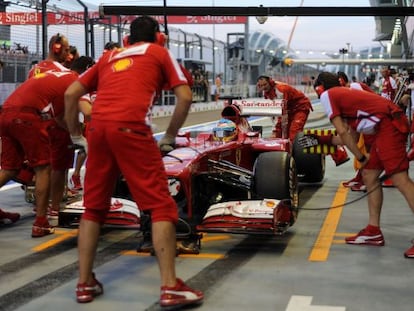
[25, 32]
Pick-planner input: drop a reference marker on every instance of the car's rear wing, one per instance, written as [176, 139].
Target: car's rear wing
[261, 107]
[276, 109]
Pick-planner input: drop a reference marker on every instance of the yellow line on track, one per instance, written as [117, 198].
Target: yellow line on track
[216, 238]
[320, 250]
[61, 235]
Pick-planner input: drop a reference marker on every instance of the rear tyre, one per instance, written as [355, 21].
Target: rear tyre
[310, 166]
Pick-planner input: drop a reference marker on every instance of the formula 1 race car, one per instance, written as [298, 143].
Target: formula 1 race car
[232, 179]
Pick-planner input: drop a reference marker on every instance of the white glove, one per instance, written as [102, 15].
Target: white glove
[80, 141]
[307, 141]
[167, 143]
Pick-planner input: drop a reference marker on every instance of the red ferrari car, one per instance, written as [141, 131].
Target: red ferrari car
[232, 179]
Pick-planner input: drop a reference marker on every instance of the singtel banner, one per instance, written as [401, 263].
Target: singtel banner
[73, 18]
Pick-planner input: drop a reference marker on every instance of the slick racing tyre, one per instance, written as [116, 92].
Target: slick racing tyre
[275, 177]
[310, 166]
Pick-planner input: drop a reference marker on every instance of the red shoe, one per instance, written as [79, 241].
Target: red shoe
[409, 253]
[7, 218]
[354, 181]
[52, 214]
[359, 187]
[364, 237]
[387, 183]
[340, 156]
[41, 230]
[88, 292]
[179, 295]
[76, 182]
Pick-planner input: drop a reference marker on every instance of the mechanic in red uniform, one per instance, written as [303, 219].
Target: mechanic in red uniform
[354, 111]
[388, 85]
[364, 141]
[388, 90]
[120, 140]
[58, 53]
[299, 106]
[25, 118]
[62, 157]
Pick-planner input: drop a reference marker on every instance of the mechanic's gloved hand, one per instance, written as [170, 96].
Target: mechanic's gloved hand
[80, 141]
[307, 141]
[167, 143]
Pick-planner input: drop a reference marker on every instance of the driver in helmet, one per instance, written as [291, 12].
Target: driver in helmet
[225, 130]
[232, 113]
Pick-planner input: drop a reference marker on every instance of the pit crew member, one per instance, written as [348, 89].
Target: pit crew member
[364, 141]
[62, 157]
[388, 84]
[354, 111]
[126, 81]
[299, 107]
[24, 135]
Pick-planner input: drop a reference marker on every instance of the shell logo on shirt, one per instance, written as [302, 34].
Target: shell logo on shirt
[39, 75]
[37, 71]
[122, 64]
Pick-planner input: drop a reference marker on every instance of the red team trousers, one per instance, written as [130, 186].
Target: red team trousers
[130, 148]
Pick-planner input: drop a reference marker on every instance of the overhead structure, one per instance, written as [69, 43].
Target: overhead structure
[249, 63]
[255, 11]
[361, 62]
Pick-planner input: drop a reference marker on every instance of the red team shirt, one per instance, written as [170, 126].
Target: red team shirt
[51, 66]
[298, 106]
[296, 100]
[388, 88]
[124, 69]
[120, 138]
[369, 113]
[45, 93]
[61, 155]
[46, 65]
[352, 105]
[42, 93]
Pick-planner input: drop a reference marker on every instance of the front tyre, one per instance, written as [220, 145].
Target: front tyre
[275, 177]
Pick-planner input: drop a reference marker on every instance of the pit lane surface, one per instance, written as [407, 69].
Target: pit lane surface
[310, 268]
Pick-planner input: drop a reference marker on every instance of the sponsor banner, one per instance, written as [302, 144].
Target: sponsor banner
[20, 18]
[73, 18]
[203, 19]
